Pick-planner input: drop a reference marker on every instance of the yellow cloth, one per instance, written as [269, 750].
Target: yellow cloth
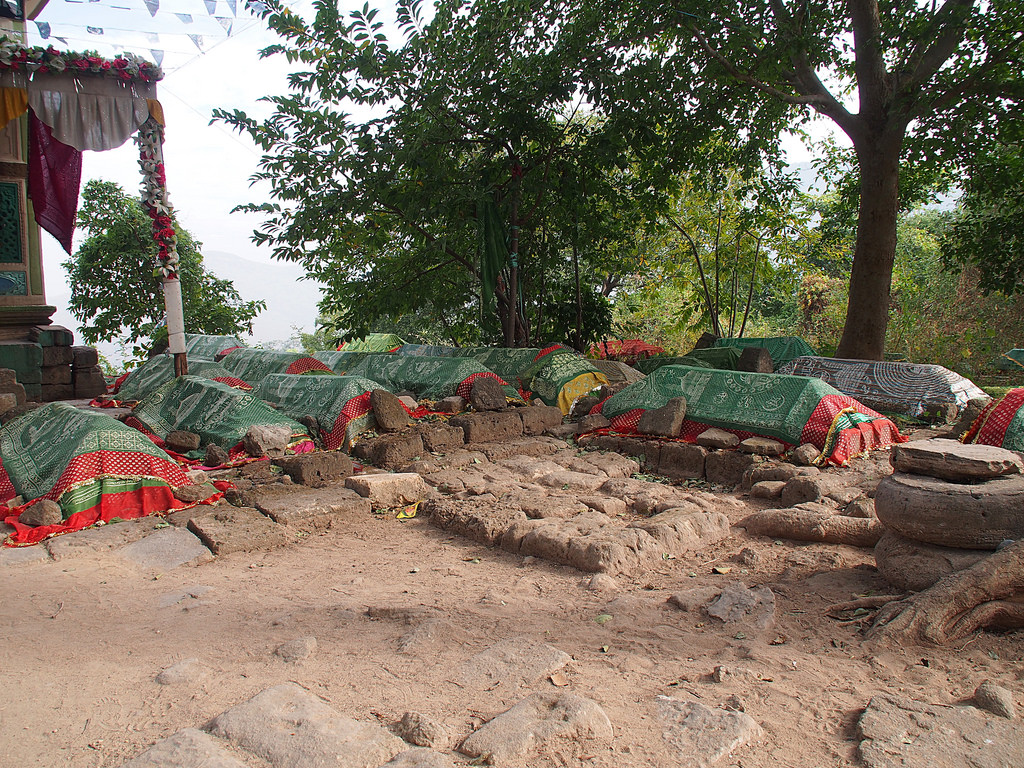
[581, 385]
[156, 110]
[13, 103]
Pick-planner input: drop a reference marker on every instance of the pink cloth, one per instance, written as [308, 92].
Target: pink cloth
[54, 175]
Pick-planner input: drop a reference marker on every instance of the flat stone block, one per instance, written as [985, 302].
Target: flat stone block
[316, 469]
[306, 508]
[88, 382]
[291, 728]
[84, 357]
[441, 438]
[682, 460]
[489, 427]
[165, 549]
[727, 467]
[717, 438]
[10, 556]
[237, 529]
[391, 451]
[703, 736]
[190, 748]
[538, 418]
[101, 538]
[953, 460]
[51, 336]
[535, 721]
[389, 490]
[57, 356]
[55, 374]
[762, 446]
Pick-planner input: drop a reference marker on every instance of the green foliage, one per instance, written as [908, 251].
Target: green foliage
[469, 181]
[115, 294]
[988, 232]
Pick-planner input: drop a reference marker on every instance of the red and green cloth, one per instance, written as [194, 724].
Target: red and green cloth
[252, 365]
[340, 404]
[1001, 423]
[791, 409]
[431, 378]
[95, 467]
[216, 412]
[157, 371]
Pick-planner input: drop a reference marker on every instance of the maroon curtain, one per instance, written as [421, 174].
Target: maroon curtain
[54, 175]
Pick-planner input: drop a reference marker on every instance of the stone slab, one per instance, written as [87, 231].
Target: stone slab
[387, 491]
[515, 661]
[237, 529]
[419, 758]
[534, 722]
[291, 728]
[189, 748]
[101, 538]
[704, 736]
[311, 508]
[902, 733]
[166, 549]
[10, 556]
[953, 460]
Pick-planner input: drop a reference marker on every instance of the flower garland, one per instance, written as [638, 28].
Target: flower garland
[154, 197]
[126, 67]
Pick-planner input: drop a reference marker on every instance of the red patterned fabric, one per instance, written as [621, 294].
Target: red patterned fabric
[991, 425]
[466, 386]
[146, 500]
[628, 351]
[354, 409]
[304, 364]
[549, 350]
[231, 381]
[54, 176]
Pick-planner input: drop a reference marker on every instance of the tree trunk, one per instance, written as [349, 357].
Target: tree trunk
[988, 594]
[867, 313]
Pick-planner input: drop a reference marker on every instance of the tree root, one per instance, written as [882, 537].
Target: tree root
[805, 525]
[874, 601]
[989, 594]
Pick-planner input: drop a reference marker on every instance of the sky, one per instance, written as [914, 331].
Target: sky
[208, 169]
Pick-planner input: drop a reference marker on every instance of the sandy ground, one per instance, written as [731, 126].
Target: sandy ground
[398, 607]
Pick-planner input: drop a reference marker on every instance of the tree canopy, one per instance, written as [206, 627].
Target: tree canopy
[116, 294]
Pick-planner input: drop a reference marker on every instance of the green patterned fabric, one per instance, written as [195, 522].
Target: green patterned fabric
[431, 378]
[208, 347]
[509, 363]
[214, 411]
[763, 403]
[373, 342]
[158, 370]
[327, 398]
[37, 447]
[252, 365]
[427, 350]
[781, 348]
[340, 362]
[561, 376]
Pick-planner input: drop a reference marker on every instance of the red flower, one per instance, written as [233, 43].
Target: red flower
[105, 65]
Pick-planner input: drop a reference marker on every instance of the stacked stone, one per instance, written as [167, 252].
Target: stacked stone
[25, 358]
[12, 393]
[86, 374]
[946, 506]
[55, 363]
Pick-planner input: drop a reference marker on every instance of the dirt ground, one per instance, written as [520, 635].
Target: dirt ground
[397, 607]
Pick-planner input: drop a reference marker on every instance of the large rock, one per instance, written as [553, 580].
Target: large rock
[901, 733]
[666, 421]
[486, 394]
[166, 549]
[391, 451]
[739, 605]
[311, 509]
[762, 446]
[953, 460]
[316, 469]
[727, 467]
[679, 461]
[537, 721]
[267, 440]
[389, 490]
[703, 736]
[515, 661]
[489, 427]
[42, 512]
[292, 728]
[182, 441]
[717, 438]
[755, 360]
[237, 529]
[539, 418]
[979, 516]
[190, 748]
[388, 411]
